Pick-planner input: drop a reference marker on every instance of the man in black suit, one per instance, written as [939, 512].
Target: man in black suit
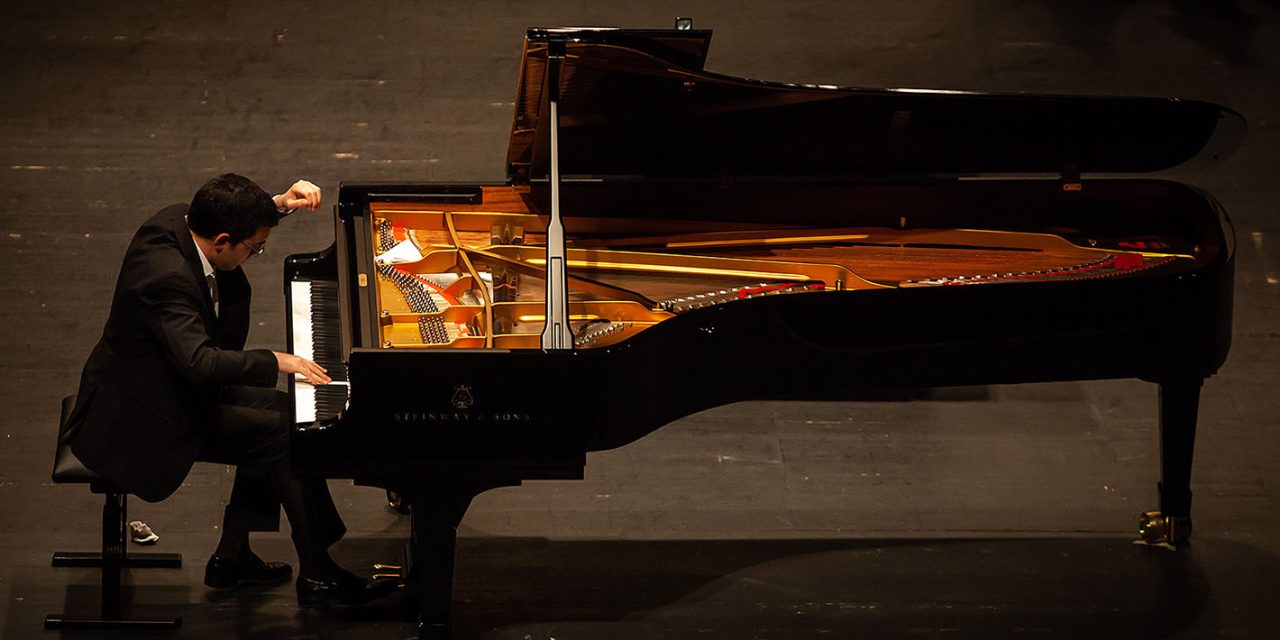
[170, 383]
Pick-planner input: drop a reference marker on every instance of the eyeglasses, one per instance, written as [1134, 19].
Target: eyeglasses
[255, 251]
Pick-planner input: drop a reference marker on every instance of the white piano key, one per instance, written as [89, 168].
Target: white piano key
[304, 405]
[305, 396]
[303, 345]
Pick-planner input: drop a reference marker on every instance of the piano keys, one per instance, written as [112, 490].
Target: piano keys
[729, 239]
[311, 295]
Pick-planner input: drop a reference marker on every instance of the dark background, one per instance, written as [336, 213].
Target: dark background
[972, 512]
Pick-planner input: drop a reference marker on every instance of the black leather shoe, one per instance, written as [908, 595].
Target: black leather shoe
[222, 573]
[347, 588]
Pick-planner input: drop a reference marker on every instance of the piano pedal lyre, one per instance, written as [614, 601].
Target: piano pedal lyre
[1158, 530]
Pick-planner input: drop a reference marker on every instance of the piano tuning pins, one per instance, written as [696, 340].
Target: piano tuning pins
[386, 236]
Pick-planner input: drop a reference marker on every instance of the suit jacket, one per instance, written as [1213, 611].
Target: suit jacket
[161, 362]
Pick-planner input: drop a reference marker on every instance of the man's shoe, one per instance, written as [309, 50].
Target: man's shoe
[347, 588]
[222, 573]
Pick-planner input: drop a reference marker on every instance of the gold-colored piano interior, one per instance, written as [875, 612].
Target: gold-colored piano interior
[468, 279]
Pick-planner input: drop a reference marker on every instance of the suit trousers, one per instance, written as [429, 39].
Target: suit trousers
[249, 428]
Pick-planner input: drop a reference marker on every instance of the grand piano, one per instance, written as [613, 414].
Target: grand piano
[669, 239]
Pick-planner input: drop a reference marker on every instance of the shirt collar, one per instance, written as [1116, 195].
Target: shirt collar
[204, 262]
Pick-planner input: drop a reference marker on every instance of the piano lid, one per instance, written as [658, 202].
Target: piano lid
[638, 103]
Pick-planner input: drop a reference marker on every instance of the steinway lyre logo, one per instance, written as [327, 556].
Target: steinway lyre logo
[462, 398]
[462, 414]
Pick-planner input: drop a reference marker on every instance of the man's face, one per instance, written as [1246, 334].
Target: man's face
[228, 255]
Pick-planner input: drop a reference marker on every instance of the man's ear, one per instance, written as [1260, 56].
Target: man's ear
[222, 242]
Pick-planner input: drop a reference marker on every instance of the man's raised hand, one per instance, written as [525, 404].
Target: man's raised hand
[301, 194]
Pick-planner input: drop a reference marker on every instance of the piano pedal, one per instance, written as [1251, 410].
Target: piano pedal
[388, 571]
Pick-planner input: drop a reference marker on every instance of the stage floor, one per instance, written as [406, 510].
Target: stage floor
[972, 512]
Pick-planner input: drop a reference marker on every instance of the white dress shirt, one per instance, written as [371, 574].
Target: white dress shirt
[210, 277]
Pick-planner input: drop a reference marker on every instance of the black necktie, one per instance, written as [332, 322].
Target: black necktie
[213, 291]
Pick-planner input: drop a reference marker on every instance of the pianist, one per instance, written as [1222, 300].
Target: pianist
[169, 383]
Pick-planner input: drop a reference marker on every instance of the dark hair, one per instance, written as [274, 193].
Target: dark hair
[233, 205]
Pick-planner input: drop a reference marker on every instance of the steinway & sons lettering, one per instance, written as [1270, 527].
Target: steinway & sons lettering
[462, 417]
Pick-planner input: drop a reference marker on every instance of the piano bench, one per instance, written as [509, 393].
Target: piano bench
[114, 557]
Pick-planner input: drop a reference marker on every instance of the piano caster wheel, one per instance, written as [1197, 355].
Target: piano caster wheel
[1155, 528]
[396, 504]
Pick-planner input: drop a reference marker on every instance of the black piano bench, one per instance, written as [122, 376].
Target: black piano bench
[114, 556]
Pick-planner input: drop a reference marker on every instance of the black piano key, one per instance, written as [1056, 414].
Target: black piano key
[325, 329]
[330, 399]
[326, 338]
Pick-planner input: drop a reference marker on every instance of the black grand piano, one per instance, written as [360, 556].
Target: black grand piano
[670, 240]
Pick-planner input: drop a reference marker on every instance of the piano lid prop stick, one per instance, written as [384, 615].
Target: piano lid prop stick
[556, 333]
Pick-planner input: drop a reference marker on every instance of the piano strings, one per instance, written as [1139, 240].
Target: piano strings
[623, 284]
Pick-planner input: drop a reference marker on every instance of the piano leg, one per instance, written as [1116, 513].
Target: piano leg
[1179, 406]
[435, 512]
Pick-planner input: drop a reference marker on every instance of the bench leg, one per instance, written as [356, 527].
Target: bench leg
[113, 559]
